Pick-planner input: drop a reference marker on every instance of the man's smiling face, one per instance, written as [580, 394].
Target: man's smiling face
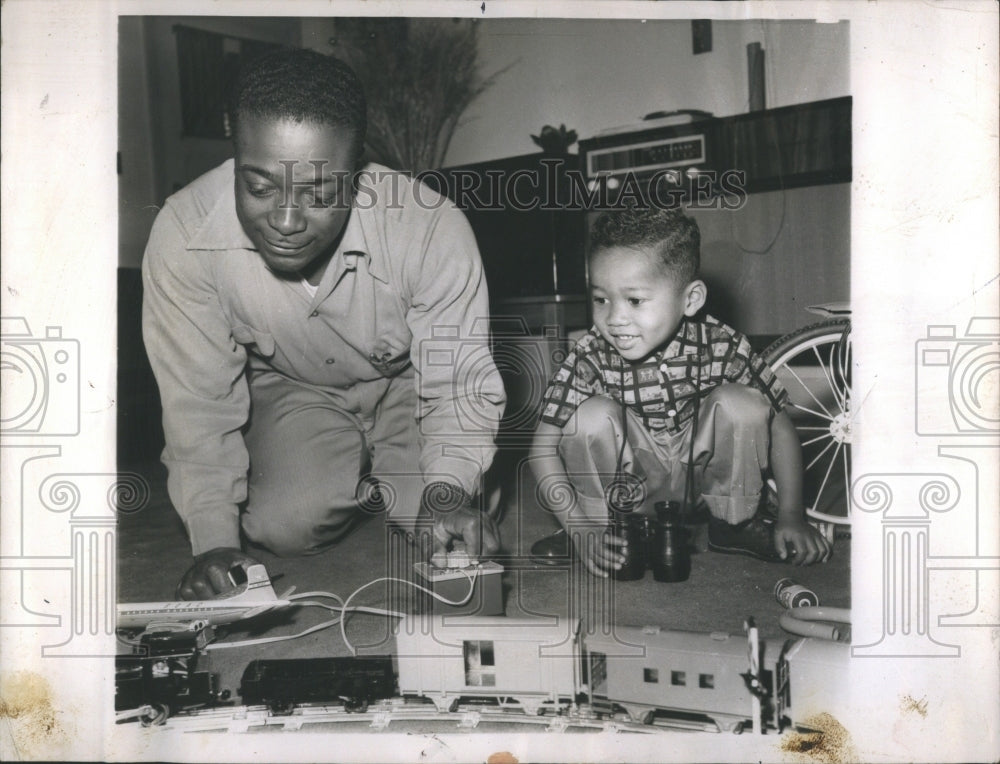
[293, 191]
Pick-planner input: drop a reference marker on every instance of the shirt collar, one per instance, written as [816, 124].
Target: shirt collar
[221, 230]
[686, 342]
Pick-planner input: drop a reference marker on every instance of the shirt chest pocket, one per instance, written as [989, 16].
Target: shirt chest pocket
[389, 344]
[258, 342]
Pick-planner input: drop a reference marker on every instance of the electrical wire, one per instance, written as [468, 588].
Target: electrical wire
[435, 595]
[624, 413]
[689, 474]
[781, 176]
[299, 600]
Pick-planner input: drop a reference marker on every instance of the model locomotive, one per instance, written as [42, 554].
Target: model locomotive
[545, 666]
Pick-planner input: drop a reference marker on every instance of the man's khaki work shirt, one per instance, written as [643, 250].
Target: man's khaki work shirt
[404, 289]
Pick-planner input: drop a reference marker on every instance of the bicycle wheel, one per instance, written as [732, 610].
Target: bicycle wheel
[814, 365]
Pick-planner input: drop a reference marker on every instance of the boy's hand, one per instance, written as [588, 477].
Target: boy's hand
[601, 551]
[799, 540]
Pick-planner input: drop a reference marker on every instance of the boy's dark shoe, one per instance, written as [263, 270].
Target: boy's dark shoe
[752, 538]
[552, 550]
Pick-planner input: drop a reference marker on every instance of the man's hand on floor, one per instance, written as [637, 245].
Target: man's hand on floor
[209, 576]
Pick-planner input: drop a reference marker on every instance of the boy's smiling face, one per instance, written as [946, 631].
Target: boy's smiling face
[637, 304]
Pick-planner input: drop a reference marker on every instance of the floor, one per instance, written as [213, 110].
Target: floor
[722, 591]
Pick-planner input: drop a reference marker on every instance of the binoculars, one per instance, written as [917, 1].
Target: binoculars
[659, 543]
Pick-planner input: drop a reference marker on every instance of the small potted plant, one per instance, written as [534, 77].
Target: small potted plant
[555, 140]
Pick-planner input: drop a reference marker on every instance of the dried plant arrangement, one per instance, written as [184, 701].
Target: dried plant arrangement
[419, 75]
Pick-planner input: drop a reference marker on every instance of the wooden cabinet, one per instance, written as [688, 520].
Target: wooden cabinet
[785, 244]
[790, 147]
[530, 239]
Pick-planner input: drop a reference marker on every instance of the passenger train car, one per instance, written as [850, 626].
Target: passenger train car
[534, 662]
[546, 666]
[649, 670]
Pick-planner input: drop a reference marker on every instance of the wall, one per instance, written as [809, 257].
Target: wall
[316, 34]
[137, 197]
[764, 263]
[779, 253]
[595, 74]
[588, 74]
[156, 159]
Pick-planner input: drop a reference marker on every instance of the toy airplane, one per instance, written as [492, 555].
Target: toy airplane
[250, 599]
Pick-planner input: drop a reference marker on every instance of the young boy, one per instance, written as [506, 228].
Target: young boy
[626, 399]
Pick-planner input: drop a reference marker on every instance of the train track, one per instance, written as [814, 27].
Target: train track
[397, 713]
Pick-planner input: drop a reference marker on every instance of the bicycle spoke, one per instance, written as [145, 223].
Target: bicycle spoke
[845, 371]
[820, 454]
[805, 387]
[841, 393]
[847, 479]
[843, 351]
[816, 439]
[828, 374]
[829, 469]
[825, 403]
[800, 407]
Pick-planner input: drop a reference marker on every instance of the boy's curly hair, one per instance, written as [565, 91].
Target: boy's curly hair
[669, 234]
[304, 86]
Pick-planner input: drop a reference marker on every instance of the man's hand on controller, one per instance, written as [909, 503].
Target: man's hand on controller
[456, 519]
[209, 576]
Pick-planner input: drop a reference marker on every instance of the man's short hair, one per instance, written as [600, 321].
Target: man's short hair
[669, 234]
[304, 86]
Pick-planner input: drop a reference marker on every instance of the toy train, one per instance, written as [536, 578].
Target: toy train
[545, 666]
[281, 685]
[163, 676]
